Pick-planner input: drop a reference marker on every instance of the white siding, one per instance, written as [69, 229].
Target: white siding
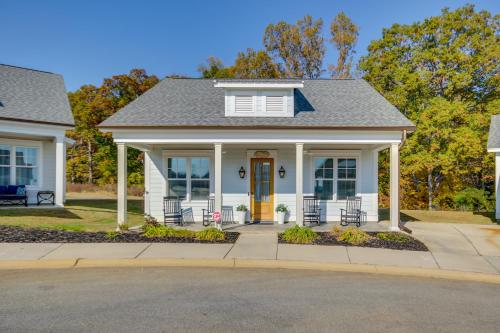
[235, 190]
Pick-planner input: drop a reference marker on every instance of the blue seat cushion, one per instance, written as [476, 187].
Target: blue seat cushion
[21, 190]
[3, 189]
[12, 189]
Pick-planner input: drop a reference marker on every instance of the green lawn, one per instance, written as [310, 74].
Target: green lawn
[442, 216]
[77, 215]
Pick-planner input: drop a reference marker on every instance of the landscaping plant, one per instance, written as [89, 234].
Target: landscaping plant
[241, 208]
[282, 208]
[393, 237]
[210, 234]
[112, 234]
[336, 231]
[353, 236]
[299, 235]
[151, 231]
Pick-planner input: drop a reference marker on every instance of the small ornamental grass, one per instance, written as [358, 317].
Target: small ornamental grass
[299, 235]
[152, 231]
[393, 237]
[210, 234]
[112, 235]
[353, 236]
[336, 231]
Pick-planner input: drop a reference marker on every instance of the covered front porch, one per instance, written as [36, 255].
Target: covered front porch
[261, 170]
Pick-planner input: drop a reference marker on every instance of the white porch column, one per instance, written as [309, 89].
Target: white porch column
[122, 184]
[394, 188]
[60, 170]
[497, 184]
[299, 183]
[218, 177]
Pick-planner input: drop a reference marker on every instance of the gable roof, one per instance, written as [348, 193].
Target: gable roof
[494, 134]
[196, 103]
[33, 96]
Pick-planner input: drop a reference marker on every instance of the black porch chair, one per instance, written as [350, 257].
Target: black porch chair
[207, 213]
[172, 211]
[312, 211]
[352, 212]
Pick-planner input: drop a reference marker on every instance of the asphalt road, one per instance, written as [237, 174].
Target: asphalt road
[240, 300]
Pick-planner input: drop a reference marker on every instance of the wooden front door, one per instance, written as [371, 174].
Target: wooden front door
[262, 189]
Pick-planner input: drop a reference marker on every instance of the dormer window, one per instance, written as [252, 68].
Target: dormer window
[259, 98]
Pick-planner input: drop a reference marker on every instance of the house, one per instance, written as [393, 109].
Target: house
[494, 147]
[34, 115]
[260, 143]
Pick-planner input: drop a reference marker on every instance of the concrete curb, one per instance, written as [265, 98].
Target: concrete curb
[248, 263]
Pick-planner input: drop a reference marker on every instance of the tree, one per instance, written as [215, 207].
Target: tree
[214, 69]
[344, 37]
[442, 73]
[93, 157]
[299, 48]
[255, 65]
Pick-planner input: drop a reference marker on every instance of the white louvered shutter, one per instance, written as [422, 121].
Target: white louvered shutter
[243, 103]
[274, 103]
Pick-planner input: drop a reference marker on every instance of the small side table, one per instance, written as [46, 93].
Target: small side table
[45, 197]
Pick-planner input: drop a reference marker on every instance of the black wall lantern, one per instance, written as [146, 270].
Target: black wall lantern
[242, 172]
[282, 172]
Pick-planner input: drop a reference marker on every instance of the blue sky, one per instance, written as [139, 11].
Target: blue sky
[87, 41]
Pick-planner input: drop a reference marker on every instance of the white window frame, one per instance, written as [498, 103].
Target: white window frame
[14, 144]
[354, 154]
[188, 156]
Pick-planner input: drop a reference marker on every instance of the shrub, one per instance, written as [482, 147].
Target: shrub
[353, 236]
[123, 227]
[299, 235]
[473, 199]
[242, 208]
[393, 237]
[152, 231]
[336, 231]
[112, 234]
[151, 221]
[210, 234]
[282, 208]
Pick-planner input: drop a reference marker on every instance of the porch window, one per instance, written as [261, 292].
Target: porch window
[4, 165]
[189, 177]
[323, 178]
[177, 180]
[18, 165]
[200, 178]
[26, 166]
[346, 182]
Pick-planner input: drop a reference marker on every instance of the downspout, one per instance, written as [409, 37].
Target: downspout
[401, 226]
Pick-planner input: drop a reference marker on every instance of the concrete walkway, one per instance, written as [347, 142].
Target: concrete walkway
[450, 250]
[465, 248]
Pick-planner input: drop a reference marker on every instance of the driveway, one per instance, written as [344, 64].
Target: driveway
[455, 246]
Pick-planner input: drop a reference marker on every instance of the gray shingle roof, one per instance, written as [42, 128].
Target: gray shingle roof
[494, 135]
[321, 103]
[33, 96]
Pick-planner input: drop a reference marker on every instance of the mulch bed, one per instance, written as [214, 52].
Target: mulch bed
[13, 234]
[325, 238]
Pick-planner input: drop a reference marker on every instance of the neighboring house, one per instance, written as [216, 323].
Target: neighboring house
[198, 135]
[494, 147]
[34, 115]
